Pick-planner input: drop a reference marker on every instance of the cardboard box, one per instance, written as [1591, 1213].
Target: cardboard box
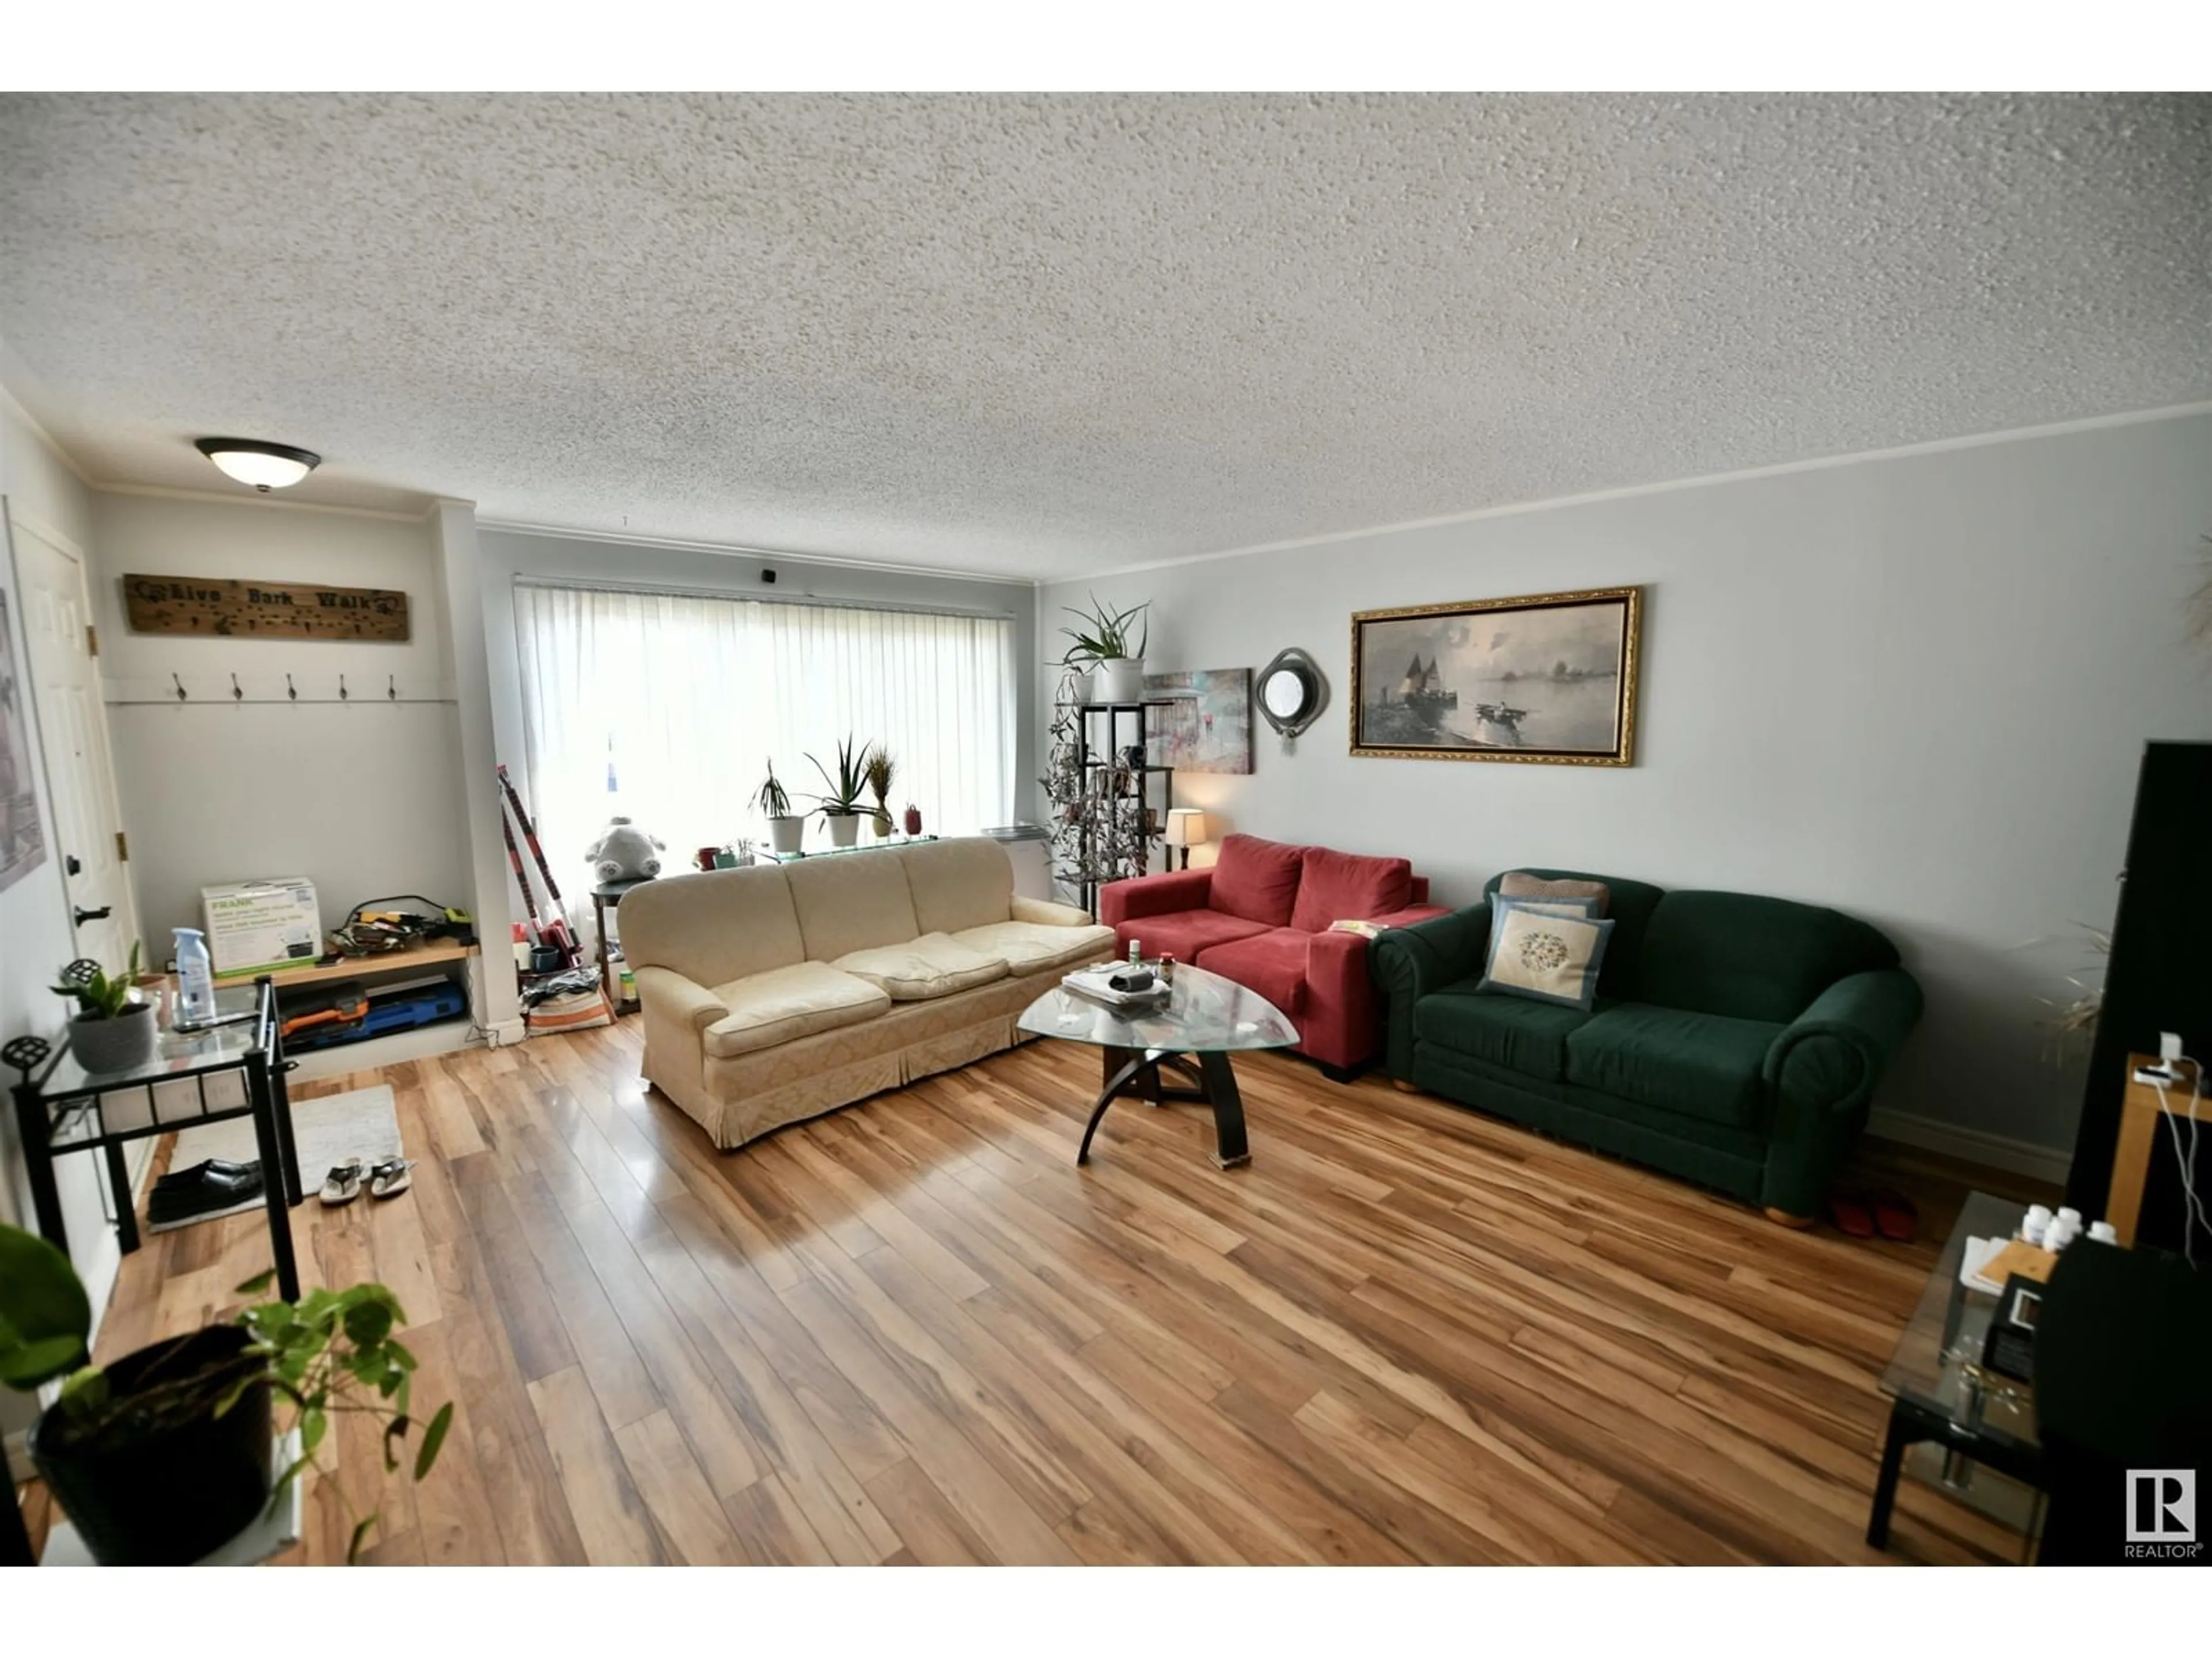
[254, 925]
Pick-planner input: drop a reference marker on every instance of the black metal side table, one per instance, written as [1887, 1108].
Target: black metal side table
[61, 1109]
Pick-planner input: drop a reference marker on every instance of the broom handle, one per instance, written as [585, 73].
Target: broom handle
[530, 835]
[514, 858]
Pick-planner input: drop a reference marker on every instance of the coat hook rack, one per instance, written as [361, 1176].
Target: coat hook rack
[343, 695]
[179, 683]
[237, 692]
[290, 689]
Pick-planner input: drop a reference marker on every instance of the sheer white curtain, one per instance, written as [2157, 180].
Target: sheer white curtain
[667, 708]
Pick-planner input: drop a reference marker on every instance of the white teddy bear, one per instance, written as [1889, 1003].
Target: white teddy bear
[624, 852]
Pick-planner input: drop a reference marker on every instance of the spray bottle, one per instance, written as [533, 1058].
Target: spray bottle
[195, 978]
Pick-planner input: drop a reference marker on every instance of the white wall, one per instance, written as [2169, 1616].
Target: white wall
[506, 555]
[361, 797]
[1914, 688]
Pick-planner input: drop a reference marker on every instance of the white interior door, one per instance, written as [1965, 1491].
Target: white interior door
[65, 677]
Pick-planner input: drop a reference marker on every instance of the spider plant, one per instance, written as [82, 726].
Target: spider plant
[1104, 635]
[773, 801]
[847, 787]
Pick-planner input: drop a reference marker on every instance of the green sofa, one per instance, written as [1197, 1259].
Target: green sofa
[1735, 1040]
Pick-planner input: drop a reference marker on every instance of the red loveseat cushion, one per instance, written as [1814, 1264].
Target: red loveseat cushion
[1257, 879]
[1182, 933]
[1273, 963]
[1348, 886]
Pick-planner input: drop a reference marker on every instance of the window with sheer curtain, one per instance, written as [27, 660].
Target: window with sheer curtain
[666, 706]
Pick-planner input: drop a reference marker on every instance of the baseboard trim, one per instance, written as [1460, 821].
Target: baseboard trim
[2002, 1152]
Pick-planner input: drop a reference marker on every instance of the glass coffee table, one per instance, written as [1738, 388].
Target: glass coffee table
[1940, 1396]
[1191, 1033]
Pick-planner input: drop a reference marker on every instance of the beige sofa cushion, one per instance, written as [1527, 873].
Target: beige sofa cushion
[964, 883]
[713, 926]
[787, 1003]
[1029, 947]
[853, 903]
[933, 965]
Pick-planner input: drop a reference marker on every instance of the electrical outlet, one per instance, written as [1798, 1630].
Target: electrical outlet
[2169, 1047]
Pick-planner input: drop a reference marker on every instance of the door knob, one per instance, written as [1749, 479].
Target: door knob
[83, 915]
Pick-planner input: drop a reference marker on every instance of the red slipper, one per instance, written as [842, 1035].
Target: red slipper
[1849, 1208]
[1894, 1214]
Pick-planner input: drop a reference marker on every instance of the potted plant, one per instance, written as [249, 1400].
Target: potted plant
[110, 1031]
[841, 807]
[881, 769]
[1104, 643]
[166, 1454]
[786, 829]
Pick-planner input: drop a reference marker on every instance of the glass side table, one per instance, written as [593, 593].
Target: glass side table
[1937, 1390]
[62, 1109]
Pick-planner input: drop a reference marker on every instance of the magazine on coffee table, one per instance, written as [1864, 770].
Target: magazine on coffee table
[1096, 983]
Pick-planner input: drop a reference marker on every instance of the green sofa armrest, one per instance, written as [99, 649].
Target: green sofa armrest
[1407, 963]
[1821, 1073]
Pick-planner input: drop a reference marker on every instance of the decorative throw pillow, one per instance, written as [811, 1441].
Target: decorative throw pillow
[1545, 958]
[1549, 907]
[1519, 883]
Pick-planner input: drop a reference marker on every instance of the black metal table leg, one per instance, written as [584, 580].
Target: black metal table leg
[34, 1128]
[126, 1211]
[1230, 1147]
[1118, 1078]
[1901, 1435]
[266, 1137]
[287, 1145]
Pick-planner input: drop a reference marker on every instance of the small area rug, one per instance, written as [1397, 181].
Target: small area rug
[329, 1129]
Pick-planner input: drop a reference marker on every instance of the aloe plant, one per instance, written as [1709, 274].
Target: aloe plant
[98, 997]
[1105, 634]
[847, 787]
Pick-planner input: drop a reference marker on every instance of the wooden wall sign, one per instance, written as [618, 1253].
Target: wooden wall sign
[263, 611]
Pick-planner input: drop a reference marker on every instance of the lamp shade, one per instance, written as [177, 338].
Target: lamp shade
[1187, 827]
[265, 466]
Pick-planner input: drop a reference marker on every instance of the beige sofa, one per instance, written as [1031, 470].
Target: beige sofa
[779, 993]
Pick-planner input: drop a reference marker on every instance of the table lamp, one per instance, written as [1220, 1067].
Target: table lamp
[1187, 828]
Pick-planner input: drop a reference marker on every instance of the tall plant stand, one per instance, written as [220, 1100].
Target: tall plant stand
[1119, 805]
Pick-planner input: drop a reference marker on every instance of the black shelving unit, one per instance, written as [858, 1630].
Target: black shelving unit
[1117, 831]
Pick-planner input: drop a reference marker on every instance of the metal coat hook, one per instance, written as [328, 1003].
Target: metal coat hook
[237, 692]
[290, 689]
[391, 688]
[179, 683]
[343, 696]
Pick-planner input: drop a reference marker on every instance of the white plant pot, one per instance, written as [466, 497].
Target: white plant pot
[1117, 679]
[882, 824]
[844, 828]
[785, 834]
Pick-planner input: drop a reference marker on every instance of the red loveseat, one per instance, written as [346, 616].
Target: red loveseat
[1261, 916]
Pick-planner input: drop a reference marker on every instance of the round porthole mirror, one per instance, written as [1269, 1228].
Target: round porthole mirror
[1292, 692]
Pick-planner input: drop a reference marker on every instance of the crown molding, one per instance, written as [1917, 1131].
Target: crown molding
[738, 549]
[171, 492]
[1819, 464]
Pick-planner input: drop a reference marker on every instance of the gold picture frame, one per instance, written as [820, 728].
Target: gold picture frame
[1559, 670]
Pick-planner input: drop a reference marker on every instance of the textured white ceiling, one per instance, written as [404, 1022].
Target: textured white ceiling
[1046, 335]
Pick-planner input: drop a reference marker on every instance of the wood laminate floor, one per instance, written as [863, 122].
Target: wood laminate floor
[913, 1330]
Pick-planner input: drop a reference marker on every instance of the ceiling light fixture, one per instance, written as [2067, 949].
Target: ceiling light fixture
[265, 466]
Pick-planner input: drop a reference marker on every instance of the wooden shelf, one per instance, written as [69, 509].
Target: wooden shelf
[394, 962]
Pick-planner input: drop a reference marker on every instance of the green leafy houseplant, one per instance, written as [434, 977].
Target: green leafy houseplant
[771, 799]
[1103, 635]
[331, 1353]
[98, 997]
[848, 785]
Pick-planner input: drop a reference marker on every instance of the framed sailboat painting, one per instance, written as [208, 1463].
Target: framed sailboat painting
[1548, 678]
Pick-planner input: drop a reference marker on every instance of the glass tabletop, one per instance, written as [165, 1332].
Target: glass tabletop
[867, 844]
[176, 1053]
[1938, 1363]
[1203, 1014]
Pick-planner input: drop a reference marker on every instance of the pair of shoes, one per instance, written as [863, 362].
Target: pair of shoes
[386, 1179]
[203, 1190]
[1862, 1212]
